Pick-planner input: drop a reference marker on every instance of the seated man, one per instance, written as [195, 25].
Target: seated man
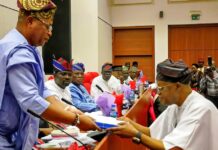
[59, 87]
[125, 73]
[133, 73]
[189, 123]
[80, 96]
[62, 78]
[139, 72]
[105, 83]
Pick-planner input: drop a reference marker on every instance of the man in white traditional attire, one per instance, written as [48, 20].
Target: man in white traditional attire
[105, 83]
[189, 123]
[125, 73]
[62, 78]
[59, 87]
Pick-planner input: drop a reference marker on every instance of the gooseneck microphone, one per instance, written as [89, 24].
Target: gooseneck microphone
[99, 88]
[66, 101]
[57, 127]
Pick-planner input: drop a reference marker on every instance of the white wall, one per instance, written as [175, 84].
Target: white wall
[8, 17]
[104, 10]
[84, 27]
[90, 26]
[104, 32]
[104, 43]
[91, 32]
[148, 14]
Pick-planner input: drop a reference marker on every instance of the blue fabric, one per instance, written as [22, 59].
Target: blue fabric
[22, 88]
[81, 98]
[78, 67]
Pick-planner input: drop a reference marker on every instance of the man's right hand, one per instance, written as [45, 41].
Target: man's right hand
[87, 123]
[75, 110]
[126, 119]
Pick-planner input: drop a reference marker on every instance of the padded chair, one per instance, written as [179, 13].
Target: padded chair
[88, 77]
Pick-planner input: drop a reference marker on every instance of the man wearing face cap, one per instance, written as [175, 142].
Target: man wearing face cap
[80, 96]
[22, 79]
[189, 122]
[105, 83]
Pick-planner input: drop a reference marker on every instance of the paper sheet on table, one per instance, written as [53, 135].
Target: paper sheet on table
[105, 122]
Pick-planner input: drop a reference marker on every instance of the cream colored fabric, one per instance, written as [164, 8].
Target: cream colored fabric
[193, 126]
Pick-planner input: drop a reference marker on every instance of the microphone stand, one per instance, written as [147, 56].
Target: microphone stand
[58, 127]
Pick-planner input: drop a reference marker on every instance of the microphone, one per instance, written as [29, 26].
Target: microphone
[69, 103]
[99, 88]
[57, 127]
[66, 101]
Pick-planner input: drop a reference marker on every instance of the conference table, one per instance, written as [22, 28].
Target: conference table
[138, 113]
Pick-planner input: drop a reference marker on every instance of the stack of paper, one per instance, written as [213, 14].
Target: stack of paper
[65, 142]
[105, 122]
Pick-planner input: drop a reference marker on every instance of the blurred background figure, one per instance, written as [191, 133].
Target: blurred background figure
[196, 77]
[201, 65]
[133, 73]
[125, 74]
[127, 64]
[209, 85]
[106, 82]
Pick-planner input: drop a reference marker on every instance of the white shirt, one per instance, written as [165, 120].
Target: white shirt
[193, 126]
[127, 80]
[58, 91]
[112, 85]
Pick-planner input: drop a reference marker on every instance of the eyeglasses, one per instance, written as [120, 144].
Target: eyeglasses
[161, 88]
[48, 26]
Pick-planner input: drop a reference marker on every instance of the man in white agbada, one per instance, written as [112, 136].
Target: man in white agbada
[59, 92]
[189, 123]
[59, 87]
[62, 78]
[126, 77]
[105, 82]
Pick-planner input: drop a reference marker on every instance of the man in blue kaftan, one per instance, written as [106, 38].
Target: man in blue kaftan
[80, 96]
[22, 79]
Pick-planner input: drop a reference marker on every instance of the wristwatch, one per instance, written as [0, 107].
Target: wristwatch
[76, 121]
[137, 138]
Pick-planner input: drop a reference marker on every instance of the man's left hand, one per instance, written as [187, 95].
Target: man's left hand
[125, 129]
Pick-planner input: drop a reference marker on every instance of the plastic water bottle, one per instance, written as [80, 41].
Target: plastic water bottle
[132, 95]
[113, 112]
[146, 84]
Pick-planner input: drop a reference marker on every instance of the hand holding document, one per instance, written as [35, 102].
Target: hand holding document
[104, 122]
